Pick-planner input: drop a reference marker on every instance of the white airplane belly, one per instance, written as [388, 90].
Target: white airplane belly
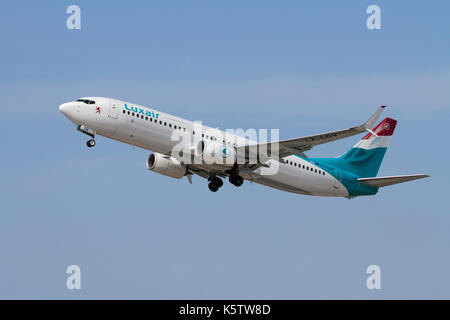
[309, 182]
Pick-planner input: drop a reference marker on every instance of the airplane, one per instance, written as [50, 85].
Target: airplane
[288, 168]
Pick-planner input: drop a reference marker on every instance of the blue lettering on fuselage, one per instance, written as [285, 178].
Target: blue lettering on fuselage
[143, 111]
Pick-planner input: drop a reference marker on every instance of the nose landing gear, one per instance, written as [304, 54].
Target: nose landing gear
[91, 133]
[90, 143]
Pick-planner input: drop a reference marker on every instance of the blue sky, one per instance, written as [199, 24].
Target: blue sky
[304, 67]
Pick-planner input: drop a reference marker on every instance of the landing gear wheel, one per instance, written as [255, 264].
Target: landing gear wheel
[217, 181]
[212, 186]
[90, 143]
[236, 180]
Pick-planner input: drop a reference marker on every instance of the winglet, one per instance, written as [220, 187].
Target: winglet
[370, 123]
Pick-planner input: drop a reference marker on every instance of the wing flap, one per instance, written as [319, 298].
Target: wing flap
[387, 181]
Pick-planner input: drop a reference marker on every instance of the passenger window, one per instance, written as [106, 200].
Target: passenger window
[128, 112]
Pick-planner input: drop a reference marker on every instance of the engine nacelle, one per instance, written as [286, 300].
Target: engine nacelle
[168, 166]
[213, 152]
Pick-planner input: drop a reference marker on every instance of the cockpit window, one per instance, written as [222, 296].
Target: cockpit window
[86, 101]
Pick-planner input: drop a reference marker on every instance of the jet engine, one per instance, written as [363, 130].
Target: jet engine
[166, 165]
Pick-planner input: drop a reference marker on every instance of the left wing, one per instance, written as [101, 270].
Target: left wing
[300, 145]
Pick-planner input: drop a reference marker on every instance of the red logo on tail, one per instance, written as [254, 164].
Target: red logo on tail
[384, 128]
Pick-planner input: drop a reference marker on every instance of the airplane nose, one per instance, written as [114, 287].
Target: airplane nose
[70, 111]
[63, 108]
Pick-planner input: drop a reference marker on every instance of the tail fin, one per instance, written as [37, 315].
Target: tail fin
[365, 158]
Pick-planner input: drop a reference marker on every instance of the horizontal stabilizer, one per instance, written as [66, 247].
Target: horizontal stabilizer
[387, 181]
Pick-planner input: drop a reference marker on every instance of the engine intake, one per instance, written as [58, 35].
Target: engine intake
[166, 165]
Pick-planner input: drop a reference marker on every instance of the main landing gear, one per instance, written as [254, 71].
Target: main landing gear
[215, 183]
[91, 133]
[236, 179]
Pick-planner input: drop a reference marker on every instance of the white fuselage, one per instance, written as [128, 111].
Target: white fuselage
[153, 130]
